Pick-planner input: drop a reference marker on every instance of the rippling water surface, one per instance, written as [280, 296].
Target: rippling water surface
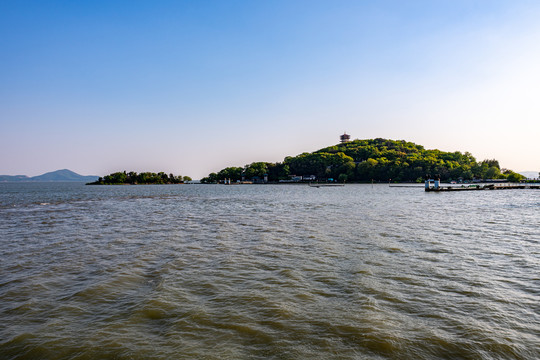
[267, 272]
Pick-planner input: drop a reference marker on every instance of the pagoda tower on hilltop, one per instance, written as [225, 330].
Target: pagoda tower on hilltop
[345, 138]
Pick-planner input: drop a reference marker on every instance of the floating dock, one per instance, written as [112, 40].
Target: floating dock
[318, 185]
[435, 185]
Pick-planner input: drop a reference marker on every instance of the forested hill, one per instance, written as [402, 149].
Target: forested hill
[373, 159]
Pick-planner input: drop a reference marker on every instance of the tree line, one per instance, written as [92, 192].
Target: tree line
[132, 178]
[372, 160]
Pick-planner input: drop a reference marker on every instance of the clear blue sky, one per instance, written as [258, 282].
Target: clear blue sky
[190, 87]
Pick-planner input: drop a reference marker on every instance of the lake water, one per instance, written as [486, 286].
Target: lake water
[267, 272]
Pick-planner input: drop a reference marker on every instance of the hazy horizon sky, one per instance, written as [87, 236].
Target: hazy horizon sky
[191, 87]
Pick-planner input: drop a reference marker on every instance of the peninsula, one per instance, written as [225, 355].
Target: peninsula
[144, 178]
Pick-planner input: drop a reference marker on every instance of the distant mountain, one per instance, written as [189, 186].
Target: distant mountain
[530, 174]
[58, 175]
[10, 178]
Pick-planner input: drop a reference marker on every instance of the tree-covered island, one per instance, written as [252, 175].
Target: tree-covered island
[369, 160]
[144, 178]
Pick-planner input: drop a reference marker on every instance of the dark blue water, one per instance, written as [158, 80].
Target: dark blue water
[267, 272]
